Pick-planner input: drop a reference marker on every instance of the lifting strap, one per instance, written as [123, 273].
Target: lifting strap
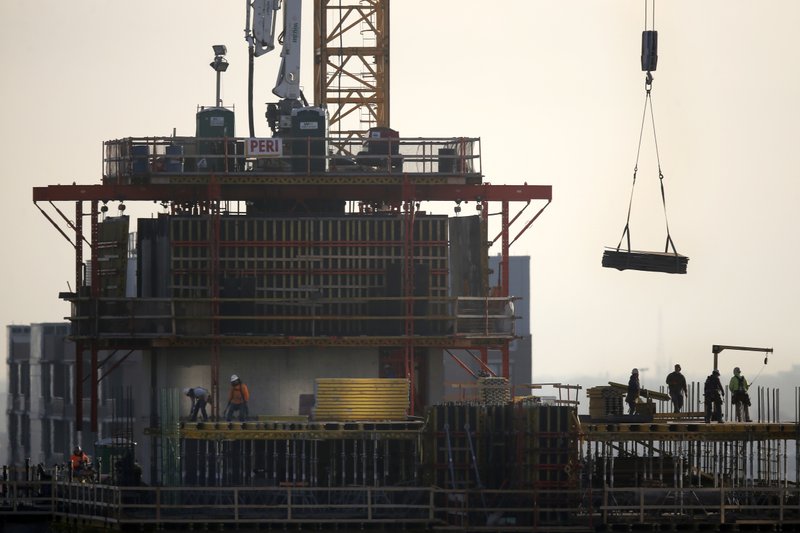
[626, 231]
[649, 57]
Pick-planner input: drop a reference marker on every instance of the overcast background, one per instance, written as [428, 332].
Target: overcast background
[554, 90]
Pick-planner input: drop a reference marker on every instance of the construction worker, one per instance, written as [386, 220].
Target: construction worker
[200, 397]
[633, 391]
[677, 388]
[237, 399]
[79, 461]
[739, 397]
[713, 394]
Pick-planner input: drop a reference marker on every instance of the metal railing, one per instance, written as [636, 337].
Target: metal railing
[466, 317]
[165, 159]
[501, 510]
[113, 505]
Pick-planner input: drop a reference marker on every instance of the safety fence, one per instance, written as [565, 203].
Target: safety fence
[136, 160]
[497, 510]
[467, 317]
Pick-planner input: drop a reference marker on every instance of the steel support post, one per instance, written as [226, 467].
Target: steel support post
[78, 344]
[504, 281]
[95, 231]
[214, 219]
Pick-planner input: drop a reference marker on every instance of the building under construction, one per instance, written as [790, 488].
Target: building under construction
[308, 263]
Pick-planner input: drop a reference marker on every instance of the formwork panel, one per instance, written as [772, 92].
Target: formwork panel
[502, 446]
[311, 276]
[112, 256]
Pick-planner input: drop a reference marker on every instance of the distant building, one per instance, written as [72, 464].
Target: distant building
[41, 389]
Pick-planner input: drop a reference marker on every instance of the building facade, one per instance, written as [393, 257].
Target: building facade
[41, 395]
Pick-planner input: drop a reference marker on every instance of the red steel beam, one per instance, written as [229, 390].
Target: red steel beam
[202, 192]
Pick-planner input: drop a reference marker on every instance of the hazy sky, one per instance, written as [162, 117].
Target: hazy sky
[554, 90]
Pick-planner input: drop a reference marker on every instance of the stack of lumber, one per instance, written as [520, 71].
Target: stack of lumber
[604, 401]
[643, 393]
[360, 399]
[671, 263]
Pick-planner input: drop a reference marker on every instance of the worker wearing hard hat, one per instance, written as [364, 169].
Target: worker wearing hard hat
[79, 461]
[739, 397]
[237, 399]
[200, 397]
[634, 388]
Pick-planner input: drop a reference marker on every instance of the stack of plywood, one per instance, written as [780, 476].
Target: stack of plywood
[360, 399]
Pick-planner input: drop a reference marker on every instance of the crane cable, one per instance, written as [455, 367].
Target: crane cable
[759, 372]
[648, 85]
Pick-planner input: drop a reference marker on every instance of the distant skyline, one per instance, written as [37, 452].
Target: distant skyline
[555, 92]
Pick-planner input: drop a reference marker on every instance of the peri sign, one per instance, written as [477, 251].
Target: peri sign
[256, 147]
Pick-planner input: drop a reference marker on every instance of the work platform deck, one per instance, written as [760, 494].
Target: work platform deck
[726, 431]
[277, 430]
[406, 429]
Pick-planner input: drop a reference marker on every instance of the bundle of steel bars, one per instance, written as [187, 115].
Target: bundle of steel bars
[671, 263]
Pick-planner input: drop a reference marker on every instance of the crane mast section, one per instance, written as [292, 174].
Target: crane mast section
[351, 62]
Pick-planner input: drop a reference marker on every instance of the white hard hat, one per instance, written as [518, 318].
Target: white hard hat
[234, 377]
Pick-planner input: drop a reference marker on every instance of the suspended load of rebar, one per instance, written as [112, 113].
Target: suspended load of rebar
[668, 261]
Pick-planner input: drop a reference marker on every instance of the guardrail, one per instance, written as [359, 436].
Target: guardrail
[162, 159]
[467, 317]
[120, 506]
[500, 510]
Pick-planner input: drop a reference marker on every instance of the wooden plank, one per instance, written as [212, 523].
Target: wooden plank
[361, 399]
[644, 393]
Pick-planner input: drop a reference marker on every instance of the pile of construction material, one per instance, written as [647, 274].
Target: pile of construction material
[604, 401]
[360, 399]
[494, 390]
[670, 263]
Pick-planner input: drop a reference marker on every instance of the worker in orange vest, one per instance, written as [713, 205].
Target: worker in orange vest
[79, 461]
[237, 399]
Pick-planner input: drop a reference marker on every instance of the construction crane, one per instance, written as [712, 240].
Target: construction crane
[716, 349]
[351, 62]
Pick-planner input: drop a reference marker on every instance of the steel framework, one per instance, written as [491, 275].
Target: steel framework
[211, 191]
[351, 58]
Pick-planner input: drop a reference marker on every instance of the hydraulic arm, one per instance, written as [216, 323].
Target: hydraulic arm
[261, 36]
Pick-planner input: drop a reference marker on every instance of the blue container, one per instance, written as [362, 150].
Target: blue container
[174, 159]
[140, 165]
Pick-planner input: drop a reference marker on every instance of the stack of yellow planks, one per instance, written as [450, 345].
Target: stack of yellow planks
[360, 399]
